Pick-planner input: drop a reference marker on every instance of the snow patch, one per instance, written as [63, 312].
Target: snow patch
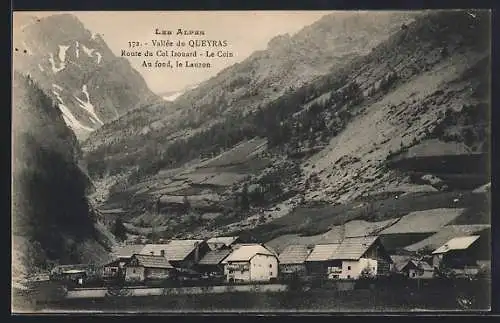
[68, 117]
[58, 96]
[87, 51]
[175, 95]
[62, 52]
[88, 106]
[99, 57]
[57, 86]
[77, 49]
[172, 97]
[55, 68]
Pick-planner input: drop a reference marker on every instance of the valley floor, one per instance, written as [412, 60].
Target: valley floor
[322, 301]
[409, 297]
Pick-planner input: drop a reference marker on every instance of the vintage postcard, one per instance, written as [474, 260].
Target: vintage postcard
[251, 161]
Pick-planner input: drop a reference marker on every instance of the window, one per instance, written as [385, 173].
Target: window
[270, 265]
[412, 274]
[133, 270]
[348, 267]
[348, 276]
[270, 273]
[162, 252]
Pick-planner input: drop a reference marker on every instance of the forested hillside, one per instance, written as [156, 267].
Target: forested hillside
[52, 220]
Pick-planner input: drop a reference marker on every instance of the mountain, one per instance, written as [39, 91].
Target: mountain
[287, 63]
[78, 70]
[173, 95]
[52, 220]
[292, 61]
[364, 145]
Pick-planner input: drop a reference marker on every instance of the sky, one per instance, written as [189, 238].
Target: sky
[245, 32]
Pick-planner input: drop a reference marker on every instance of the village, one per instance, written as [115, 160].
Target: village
[233, 261]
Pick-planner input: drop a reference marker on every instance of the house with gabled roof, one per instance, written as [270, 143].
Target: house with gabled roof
[416, 269]
[141, 268]
[349, 259]
[362, 255]
[125, 252]
[251, 262]
[292, 260]
[120, 255]
[461, 253]
[180, 253]
[212, 263]
[319, 261]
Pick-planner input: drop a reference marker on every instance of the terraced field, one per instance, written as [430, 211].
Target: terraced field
[414, 220]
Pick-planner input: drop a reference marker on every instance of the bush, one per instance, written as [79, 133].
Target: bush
[367, 273]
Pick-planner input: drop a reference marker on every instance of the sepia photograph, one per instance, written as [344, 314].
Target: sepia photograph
[251, 161]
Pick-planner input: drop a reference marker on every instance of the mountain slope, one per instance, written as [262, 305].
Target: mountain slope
[78, 70]
[419, 96]
[291, 61]
[287, 63]
[434, 78]
[52, 220]
[324, 158]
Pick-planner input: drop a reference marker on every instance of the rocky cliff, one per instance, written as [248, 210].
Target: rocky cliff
[76, 68]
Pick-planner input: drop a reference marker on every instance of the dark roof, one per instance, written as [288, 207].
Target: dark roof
[399, 261]
[294, 254]
[414, 264]
[113, 263]
[214, 257]
[353, 248]
[153, 261]
[217, 241]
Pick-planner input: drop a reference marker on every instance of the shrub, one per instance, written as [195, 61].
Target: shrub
[367, 273]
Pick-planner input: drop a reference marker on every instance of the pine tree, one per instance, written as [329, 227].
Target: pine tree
[119, 230]
[244, 202]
